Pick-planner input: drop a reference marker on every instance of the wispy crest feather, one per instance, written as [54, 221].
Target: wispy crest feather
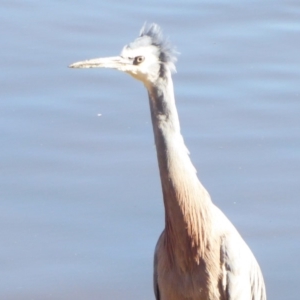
[168, 53]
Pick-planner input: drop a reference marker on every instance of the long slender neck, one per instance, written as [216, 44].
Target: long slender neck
[187, 204]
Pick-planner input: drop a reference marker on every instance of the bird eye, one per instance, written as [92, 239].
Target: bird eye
[138, 60]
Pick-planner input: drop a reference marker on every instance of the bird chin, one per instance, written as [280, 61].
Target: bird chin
[138, 76]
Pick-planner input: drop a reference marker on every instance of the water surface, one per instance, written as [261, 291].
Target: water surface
[81, 205]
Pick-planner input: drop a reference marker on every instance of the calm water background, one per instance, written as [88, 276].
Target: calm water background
[81, 207]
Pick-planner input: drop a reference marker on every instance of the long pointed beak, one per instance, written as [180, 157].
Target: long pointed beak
[114, 62]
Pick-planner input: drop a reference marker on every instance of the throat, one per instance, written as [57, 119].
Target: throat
[187, 204]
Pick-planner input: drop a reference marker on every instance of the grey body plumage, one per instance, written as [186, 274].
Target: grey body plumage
[199, 255]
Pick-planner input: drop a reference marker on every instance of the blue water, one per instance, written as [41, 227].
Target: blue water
[80, 200]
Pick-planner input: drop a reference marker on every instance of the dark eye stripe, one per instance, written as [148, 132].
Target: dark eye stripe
[138, 59]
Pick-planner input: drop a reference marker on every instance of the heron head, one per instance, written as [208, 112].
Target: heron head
[147, 58]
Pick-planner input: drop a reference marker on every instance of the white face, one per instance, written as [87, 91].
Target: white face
[143, 62]
[140, 59]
